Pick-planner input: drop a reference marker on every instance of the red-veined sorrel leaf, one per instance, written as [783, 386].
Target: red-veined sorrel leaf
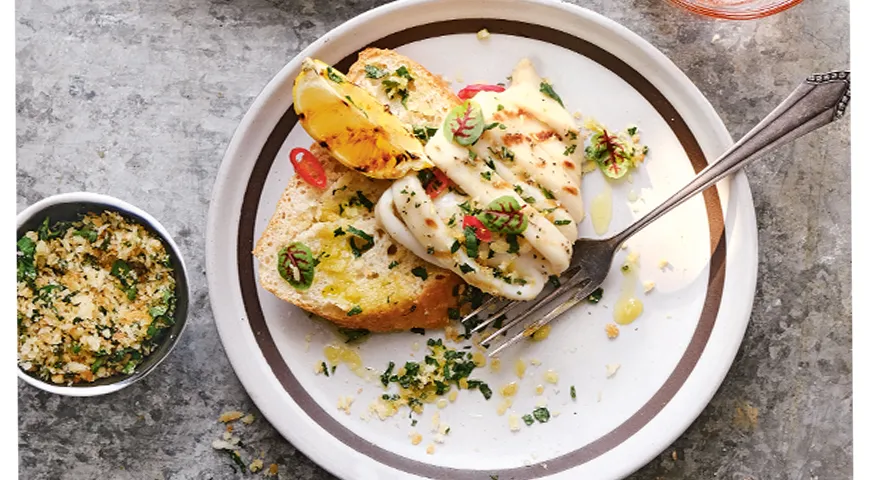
[464, 124]
[504, 215]
[609, 152]
[296, 265]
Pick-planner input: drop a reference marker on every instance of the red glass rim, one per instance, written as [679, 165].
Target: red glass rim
[735, 12]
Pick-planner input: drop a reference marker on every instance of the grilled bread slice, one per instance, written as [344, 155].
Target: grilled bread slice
[381, 288]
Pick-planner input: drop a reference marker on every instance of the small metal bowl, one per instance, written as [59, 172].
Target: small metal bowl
[68, 207]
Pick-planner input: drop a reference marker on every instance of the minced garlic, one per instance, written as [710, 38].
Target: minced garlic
[550, 376]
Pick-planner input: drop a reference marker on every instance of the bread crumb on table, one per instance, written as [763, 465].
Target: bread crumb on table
[230, 416]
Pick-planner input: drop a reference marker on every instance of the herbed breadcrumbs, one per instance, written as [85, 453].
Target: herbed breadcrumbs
[95, 297]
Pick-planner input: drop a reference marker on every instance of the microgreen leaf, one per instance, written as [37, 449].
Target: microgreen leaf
[504, 215]
[296, 265]
[464, 124]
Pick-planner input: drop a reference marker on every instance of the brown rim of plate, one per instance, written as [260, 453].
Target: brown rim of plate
[568, 460]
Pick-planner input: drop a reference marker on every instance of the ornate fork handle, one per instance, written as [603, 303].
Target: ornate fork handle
[817, 101]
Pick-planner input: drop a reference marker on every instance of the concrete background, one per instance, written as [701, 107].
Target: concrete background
[139, 98]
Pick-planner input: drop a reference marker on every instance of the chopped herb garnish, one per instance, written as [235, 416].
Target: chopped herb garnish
[487, 175]
[465, 268]
[595, 296]
[541, 414]
[353, 334]
[554, 281]
[562, 222]
[424, 133]
[87, 232]
[547, 193]
[385, 377]
[528, 419]
[570, 149]
[547, 90]
[420, 272]
[455, 247]
[393, 265]
[513, 243]
[375, 72]
[338, 232]
[358, 250]
[573, 392]
[421, 331]
[356, 310]
[472, 244]
[632, 130]
[237, 460]
[334, 75]
[324, 368]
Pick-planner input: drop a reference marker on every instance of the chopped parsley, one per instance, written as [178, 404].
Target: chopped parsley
[353, 334]
[358, 250]
[324, 368]
[393, 265]
[554, 281]
[541, 414]
[424, 133]
[632, 130]
[356, 310]
[420, 272]
[562, 222]
[569, 150]
[573, 392]
[487, 175]
[375, 72]
[513, 243]
[421, 331]
[361, 199]
[547, 90]
[385, 377]
[337, 232]
[528, 419]
[465, 268]
[472, 244]
[595, 296]
[455, 247]
[334, 75]
[398, 87]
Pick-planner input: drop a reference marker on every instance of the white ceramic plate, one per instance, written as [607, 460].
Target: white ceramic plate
[673, 358]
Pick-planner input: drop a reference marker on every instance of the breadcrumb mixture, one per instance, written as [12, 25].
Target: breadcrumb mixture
[95, 297]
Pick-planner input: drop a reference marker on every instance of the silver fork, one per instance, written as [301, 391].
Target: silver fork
[817, 101]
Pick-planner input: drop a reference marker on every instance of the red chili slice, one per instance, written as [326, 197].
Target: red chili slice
[472, 90]
[438, 185]
[308, 167]
[480, 231]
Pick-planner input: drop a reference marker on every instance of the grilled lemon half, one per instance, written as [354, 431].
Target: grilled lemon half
[353, 125]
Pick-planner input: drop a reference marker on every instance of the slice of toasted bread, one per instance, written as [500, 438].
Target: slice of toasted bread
[386, 287]
[429, 99]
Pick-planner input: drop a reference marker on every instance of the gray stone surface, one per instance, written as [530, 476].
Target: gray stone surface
[138, 99]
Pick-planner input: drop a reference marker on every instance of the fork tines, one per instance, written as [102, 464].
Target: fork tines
[572, 280]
